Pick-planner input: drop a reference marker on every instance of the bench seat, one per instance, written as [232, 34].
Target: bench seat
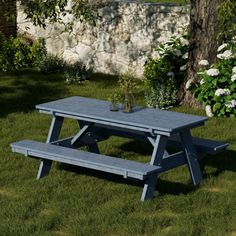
[203, 146]
[118, 166]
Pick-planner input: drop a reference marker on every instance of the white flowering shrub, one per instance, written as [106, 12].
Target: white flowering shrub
[165, 73]
[217, 87]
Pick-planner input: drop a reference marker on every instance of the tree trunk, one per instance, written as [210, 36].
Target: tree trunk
[203, 40]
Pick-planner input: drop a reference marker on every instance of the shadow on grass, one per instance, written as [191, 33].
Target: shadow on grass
[225, 161]
[105, 80]
[163, 186]
[221, 162]
[21, 91]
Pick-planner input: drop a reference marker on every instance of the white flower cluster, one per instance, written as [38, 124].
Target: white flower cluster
[188, 84]
[177, 52]
[231, 104]
[203, 63]
[233, 77]
[219, 92]
[185, 56]
[170, 74]
[208, 111]
[226, 55]
[213, 72]
[184, 41]
[183, 68]
[221, 47]
[234, 70]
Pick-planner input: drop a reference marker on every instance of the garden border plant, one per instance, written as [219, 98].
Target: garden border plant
[75, 73]
[17, 54]
[217, 87]
[165, 73]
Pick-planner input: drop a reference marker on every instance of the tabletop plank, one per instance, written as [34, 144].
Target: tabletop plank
[99, 110]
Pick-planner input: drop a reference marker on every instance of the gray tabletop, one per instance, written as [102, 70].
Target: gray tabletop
[99, 111]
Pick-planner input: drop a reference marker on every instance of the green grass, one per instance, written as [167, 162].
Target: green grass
[74, 201]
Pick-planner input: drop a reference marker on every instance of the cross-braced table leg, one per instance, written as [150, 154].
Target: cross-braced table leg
[158, 152]
[53, 135]
[92, 147]
[191, 155]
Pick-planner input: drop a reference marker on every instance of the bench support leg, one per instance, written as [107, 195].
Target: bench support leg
[149, 188]
[44, 168]
[93, 148]
[53, 135]
[192, 158]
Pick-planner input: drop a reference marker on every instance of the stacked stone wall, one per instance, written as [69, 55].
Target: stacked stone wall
[124, 35]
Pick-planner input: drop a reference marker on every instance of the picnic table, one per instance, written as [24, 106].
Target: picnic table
[97, 123]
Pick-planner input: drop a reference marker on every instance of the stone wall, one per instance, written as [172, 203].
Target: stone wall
[125, 34]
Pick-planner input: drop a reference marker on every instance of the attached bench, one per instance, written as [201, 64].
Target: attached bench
[125, 168]
[203, 146]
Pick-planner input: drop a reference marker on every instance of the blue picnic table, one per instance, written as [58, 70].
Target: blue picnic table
[97, 123]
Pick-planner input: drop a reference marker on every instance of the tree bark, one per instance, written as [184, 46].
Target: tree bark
[203, 40]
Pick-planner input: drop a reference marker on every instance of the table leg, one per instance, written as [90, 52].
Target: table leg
[53, 135]
[81, 134]
[92, 147]
[191, 155]
[157, 156]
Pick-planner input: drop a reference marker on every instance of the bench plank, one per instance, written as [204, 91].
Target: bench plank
[203, 146]
[90, 160]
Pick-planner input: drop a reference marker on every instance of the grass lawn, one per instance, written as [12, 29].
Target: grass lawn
[74, 201]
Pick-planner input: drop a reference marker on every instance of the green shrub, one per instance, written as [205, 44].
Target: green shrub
[73, 73]
[76, 73]
[51, 64]
[15, 54]
[164, 74]
[217, 87]
[162, 95]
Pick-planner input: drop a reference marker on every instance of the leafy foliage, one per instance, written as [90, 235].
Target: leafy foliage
[73, 73]
[127, 82]
[226, 15]
[16, 54]
[41, 12]
[51, 63]
[165, 73]
[76, 73]
[217, 89]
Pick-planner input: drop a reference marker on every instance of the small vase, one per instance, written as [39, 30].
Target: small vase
[128, 102]
[114, 106]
